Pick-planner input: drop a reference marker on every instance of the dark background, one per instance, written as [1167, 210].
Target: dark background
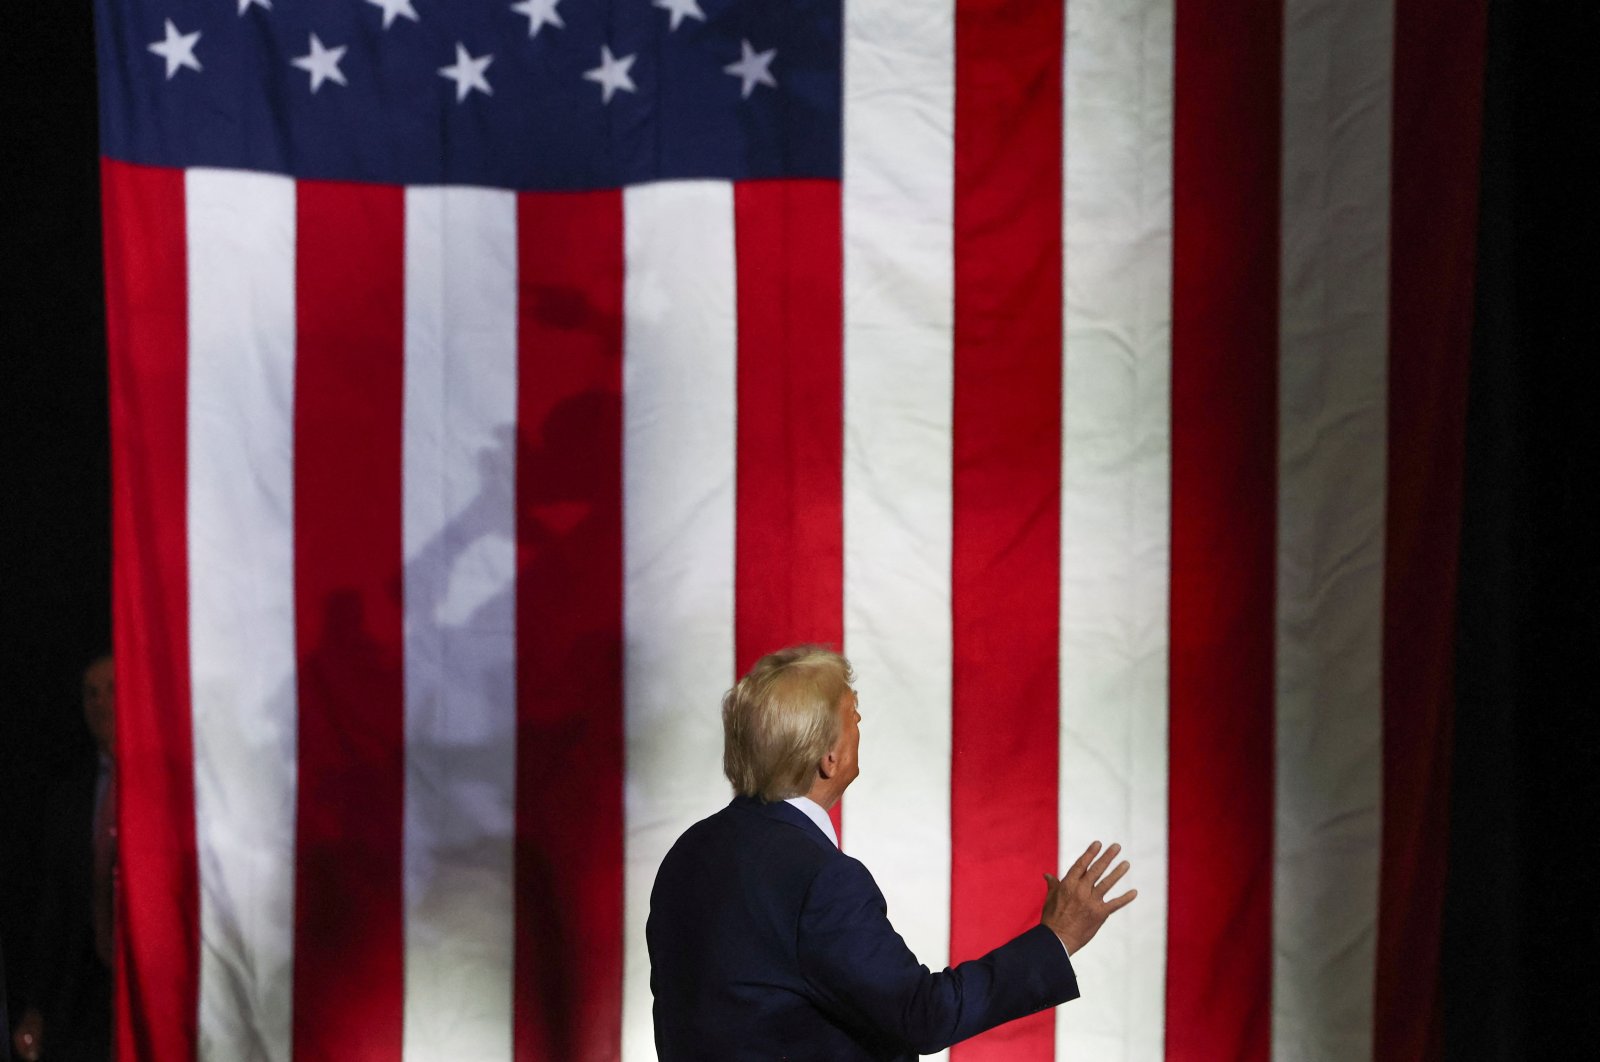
[1521, 970]
[55, 506]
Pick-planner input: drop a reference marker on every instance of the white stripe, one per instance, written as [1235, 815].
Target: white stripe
[459, 528]
[1115, 503]
[899, 64]
[241, 239]
[678, 519]
[1337, 87]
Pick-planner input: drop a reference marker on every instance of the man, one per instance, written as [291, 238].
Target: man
[768, 942]
[67, 994]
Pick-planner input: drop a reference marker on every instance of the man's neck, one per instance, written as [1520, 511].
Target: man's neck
[816, 814]
[824, 794]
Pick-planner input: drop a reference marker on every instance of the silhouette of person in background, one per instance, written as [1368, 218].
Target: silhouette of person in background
[66, 988]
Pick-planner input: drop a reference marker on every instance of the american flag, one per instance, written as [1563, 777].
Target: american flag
[492, 382]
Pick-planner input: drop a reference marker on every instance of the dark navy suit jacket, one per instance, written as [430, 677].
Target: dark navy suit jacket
[767, 942]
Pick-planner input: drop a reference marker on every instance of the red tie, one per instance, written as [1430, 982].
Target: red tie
[105, 867]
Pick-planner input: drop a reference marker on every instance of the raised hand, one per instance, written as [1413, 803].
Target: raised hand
[1075, 906]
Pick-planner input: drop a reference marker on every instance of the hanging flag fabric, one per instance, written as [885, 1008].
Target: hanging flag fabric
[493, 382]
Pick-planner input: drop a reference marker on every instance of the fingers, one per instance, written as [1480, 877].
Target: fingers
[1098, 867]
[1103, 886]
[1121, 901]
[1081, 867]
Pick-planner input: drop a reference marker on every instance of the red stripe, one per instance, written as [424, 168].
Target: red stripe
[1226, 161]
[789, 529]
[568, 1003]
[350, 355]
[158, 915]
[1438, 64]
[1005, 578]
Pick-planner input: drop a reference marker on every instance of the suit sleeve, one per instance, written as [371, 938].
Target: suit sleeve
[862, 971]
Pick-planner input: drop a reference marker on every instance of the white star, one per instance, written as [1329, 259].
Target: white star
[467, 73]
[681, 9]
[392, 9]
[321, 63]
[177, 49]
[540, 13]
[611, 74]
[753, 68]
[245, 5]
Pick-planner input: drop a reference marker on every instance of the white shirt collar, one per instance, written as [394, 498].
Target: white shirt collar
[815, 813]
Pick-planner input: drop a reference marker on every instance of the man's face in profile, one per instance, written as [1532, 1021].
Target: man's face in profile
[99, 702]
[849, 745]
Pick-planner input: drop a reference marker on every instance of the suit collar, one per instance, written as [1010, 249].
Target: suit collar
[785, 812]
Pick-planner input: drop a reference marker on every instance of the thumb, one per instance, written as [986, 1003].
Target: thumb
[1051, 881]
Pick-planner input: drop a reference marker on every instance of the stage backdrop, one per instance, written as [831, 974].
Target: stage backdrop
[492, 382]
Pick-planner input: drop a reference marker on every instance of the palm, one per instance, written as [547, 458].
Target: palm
[1075, 906]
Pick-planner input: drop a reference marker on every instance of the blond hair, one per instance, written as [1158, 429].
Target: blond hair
[781, 719]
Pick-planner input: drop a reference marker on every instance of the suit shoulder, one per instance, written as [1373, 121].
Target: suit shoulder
[844, 887]
[741, 840]
[846, 871]
[711, 831]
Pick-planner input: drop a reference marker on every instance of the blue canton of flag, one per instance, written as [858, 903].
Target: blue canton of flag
[532, 95]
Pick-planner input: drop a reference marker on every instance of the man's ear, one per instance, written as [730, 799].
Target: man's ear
[828, 764]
